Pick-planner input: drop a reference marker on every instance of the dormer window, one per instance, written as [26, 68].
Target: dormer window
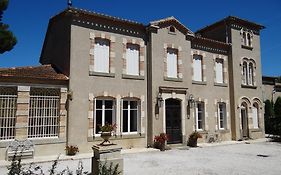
[172, 29]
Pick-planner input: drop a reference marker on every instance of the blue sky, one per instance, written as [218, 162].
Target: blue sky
[28, 19]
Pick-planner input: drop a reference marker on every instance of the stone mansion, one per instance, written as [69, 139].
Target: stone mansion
[148, 79]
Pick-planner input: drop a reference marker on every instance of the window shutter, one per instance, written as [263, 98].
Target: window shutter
[132, 58]
[101, 56]
[172, 64]
[197, 63]
[196, 116]
[255, 117]
[219, 71]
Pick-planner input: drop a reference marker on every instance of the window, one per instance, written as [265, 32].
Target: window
[172, 29]
[247, 37]
[248, 72]
[44, 107]
[200, 116]
[222, 115]
[132, 59]
[219, 70]
[244, 39]
[8, 107]
[104, 113]
[101, 55]
[197, 68]
[245, 73]
[255, 115]
[249, 40]
[172, 63]
[130, 116]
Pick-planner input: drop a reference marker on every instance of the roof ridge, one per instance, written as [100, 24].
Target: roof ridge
[24, 67]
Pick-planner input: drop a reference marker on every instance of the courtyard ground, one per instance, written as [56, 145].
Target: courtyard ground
[232, 158]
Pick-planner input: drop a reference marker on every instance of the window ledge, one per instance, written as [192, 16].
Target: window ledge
[248, 86]
[246, 47]
[223, 130]
[256, 130]
[134, 77]
[199, 82]
[172, 33]
[36, 141]
[101, 74]
[118, 137]
[202, 131]
[220, 84]
[173, 79]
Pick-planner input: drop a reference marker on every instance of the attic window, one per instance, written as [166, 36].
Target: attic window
[172, 29]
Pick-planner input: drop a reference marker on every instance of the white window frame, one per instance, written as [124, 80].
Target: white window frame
[129, 116]
[113, 109]
[245, 73]
[172, 63]
[255, 112]
[42, 105]
[133, 59]
[219, 65]
[197, 68]
[101, 55]
[222, 111]
[202, 111]
[8, 108]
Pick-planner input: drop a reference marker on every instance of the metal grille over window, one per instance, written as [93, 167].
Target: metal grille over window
[8, 104]
[43, 118]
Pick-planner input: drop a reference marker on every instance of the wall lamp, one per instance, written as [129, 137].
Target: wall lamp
[159, 100]
[191, 101]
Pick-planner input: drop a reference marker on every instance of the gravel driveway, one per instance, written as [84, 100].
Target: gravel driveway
[234, 159]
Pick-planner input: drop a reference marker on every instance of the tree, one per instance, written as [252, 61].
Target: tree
[7, 38]
[269, 117]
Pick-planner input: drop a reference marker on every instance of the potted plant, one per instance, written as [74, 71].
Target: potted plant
[106, 131]
[160, 140]
[71, 150]
[192, 140]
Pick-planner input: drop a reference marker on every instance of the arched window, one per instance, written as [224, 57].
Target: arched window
[244, 39]
[245, 73]
[251, 77]
[172, 29]
[255, 112]
[249, 40]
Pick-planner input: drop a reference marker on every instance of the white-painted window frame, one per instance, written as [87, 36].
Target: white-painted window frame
[202, 112]
[133, 59]
[129, 116]
[222, 116]
[44, 108]
[219, 65]
[103, 109]
[8, 108]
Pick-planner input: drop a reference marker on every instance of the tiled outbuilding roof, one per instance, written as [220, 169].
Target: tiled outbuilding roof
[43, 72]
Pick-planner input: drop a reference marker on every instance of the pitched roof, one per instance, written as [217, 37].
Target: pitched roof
[231, 19]
[172, 21]
[43, 72]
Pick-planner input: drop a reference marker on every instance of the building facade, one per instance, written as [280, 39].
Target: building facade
[148, 79]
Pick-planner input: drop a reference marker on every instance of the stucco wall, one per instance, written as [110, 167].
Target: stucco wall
[239, 92]
[86, 87]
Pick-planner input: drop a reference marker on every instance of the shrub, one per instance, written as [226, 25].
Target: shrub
[108, 170]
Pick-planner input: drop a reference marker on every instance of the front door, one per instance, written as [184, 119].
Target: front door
[244, 118]
[173, 121]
